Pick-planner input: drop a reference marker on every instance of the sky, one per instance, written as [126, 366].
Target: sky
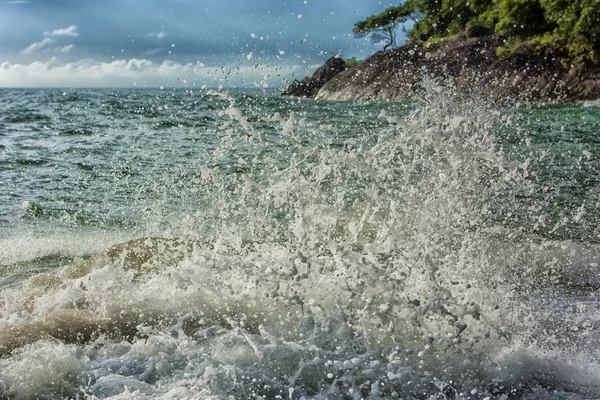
[151, 43]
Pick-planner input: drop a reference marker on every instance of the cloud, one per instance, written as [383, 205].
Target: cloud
[65, 50]
[39, 46]
[70, 31]
[142, 73]
[17, 2]
[47, 43]
[159, 35]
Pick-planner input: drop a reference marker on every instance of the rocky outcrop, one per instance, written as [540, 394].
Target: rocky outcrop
[472, 66]
[309, 87]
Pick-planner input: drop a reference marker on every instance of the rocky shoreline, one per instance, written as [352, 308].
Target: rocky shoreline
[469, 64]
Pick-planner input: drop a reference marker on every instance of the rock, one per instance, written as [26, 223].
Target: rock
[309, 87]
[472, 66]
[476, 31]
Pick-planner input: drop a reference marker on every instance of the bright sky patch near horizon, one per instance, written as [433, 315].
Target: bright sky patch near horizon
[149, 43]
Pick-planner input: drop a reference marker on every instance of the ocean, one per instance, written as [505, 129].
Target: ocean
[235, 244]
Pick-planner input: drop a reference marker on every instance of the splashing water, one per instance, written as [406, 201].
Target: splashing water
[388, 264]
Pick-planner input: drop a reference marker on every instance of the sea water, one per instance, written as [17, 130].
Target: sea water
[235, 244]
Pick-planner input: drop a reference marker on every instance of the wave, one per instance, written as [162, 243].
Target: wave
[372, 268]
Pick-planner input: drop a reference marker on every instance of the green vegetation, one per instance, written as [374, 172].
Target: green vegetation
[352, 62]
[382, 27]
[512, 44]
[569, 28]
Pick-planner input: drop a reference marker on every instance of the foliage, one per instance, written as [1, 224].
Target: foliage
[511, 45]
[382, 27]
[439, 39]
[567, 27]
[576, 26]
[352, 62]
[521, 18]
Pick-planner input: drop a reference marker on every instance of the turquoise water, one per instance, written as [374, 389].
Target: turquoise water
[239, 244]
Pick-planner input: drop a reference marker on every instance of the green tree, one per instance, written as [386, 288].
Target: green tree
[443, 18]
[575, 26]
[522, 18]
[382, 27]
[566, 28]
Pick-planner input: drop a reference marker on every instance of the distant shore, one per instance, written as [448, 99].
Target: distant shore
[471, 64]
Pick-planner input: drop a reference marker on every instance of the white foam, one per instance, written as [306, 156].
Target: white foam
[371, 269]
[27, 246]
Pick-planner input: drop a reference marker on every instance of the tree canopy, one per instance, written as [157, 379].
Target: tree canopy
[382, 27]
[567, 27]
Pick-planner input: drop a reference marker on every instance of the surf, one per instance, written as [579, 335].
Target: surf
[392, 263]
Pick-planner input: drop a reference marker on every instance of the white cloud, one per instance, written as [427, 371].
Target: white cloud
[139, 72]
[17, 2]
[70, 31]
[65, 50]
[39, 46]
[47, 43]
[159, 35]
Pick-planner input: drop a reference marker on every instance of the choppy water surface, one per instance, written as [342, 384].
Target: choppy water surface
[228, 244]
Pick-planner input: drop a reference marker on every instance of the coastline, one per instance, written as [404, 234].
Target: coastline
[471, 65]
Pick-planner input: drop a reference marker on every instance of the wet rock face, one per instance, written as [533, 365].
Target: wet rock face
[469, 64]
[309, 87]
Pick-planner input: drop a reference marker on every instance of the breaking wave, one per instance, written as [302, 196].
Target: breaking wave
[392, 264]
